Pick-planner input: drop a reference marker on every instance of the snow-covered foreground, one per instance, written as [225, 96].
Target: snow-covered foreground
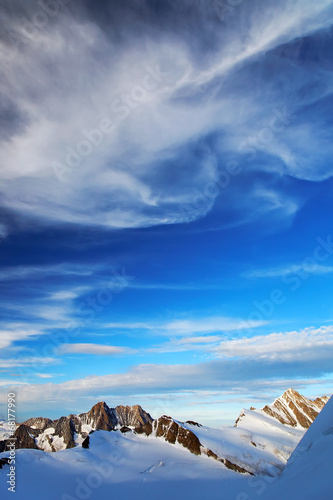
[122, 464]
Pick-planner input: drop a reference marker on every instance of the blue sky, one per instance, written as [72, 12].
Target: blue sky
[166, 209]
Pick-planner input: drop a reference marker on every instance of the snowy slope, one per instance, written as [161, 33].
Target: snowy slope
[121, 465]
[309, 472]
[259, 443]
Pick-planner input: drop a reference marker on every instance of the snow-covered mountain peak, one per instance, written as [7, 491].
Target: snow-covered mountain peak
[294, 409]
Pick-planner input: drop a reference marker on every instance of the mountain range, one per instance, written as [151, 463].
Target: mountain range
[259, 444]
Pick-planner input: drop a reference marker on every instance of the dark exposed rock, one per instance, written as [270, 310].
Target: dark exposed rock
[191, 422]
[227, 463]
[238, 419]
[125, 429]
[132, 416]
[172, 432]
[85, 442]
[4, 461]
[101, 417]
[64, 427]
[144, 429]
[189, 440]
[25, 437]
[39, 423]
[210, 453]
[235, 467]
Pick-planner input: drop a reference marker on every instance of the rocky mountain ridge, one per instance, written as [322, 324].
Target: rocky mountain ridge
[294, 409]
[245, 450]
[68, 432]
[291, 409]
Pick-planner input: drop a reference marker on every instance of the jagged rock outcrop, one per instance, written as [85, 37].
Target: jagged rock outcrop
[294, 409]
[53, 435]
[100, 417]
[172, 432]
[64, 428]
[40, 423]
[132, 416]
[25, 437]
[191, 422]
[291, 409]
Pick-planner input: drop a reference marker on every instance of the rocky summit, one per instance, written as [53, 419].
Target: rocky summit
[290, 409]
[294, 409]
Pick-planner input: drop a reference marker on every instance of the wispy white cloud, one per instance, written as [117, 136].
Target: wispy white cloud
[46, 375]
[64, 269]
[98, 349]
[310, 343]
[190, 326]
[17, 333]
[210, 324]
[276, 272]
[107, 188]
[28, 362]
[304, 344]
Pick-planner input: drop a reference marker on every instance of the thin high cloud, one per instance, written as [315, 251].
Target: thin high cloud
[64, 269]
[96, 349]
[276, 272]
[190, 326]
[309, 343]
[27, 361]
[159, 152]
